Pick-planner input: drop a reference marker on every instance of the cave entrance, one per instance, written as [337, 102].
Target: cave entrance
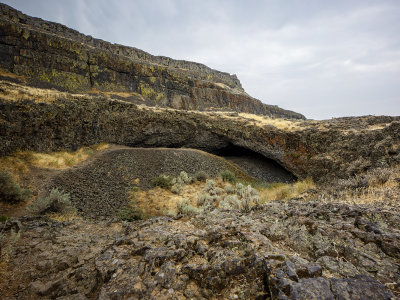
[255, 164]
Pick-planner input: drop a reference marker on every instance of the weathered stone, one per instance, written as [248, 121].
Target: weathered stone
[313, 288]
[360, 287]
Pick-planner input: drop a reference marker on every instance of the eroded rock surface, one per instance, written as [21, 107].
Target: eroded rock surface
[285, 250]
[324, 150]
[53, 55]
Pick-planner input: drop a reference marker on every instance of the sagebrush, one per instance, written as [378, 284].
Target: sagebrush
[57, 201]
[10, 191]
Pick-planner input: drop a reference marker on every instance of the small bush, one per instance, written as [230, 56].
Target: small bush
[163, 181]
[206, 200]
[131, 213]
[210, 187]
[185, 208]
[10, 191]
[3, 218]
[228, 176]
[230, 189]
[58, 202]
[183, 176]
[176, 188]
[229, 202]
[250, 198]
[201, 176]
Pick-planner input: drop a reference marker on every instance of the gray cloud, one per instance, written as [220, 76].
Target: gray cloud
[321, 58]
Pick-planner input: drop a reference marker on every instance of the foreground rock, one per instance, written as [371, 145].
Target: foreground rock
[285, 250]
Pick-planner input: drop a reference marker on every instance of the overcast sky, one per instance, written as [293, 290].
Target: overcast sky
[320, 58]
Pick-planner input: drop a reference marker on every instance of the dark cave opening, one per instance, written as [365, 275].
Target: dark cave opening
[255, 164]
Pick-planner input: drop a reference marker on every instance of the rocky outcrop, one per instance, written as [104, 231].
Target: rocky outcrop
[52, 55]
[316, 252]
[326, 149]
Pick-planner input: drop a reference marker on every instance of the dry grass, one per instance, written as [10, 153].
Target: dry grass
[375, 187]
[258, 120]
[22, 160]
[289, 125]
[120, 94]
[69, 216]
[158, 201]
[5, 73]
[284, 191]
[16, 92]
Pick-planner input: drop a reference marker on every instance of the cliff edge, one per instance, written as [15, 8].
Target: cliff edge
[52, 55]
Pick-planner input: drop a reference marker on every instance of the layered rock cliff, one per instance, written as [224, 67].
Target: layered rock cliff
[322, 149]
[53, 55]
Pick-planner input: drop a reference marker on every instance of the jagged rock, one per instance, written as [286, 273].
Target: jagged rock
[360, 287]
[226, 256]
[74, 121]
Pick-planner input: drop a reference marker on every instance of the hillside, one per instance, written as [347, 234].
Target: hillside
[53, 55]
[130, 176]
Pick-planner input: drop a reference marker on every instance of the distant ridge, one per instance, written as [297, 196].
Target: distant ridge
[49, 54]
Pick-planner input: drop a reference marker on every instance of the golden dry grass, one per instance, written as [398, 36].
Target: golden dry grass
[158, 201]
[5, 73]
[382, 188]
[20, 161]
[120, 94]
[258, 120]
[65, 216]
[284, 191]
[289, 125]
[16, 92]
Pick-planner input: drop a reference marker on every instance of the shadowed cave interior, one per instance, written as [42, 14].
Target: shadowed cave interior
[255, 164]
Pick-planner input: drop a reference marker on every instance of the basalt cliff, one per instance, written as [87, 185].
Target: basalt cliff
[53, 55]
[125, 175]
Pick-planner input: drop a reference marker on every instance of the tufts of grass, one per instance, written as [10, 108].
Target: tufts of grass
[228, 176]
[163, 181]
[375, 186]
[185, 208]
[3, 218]
[201, 176]
[10, 191]
[284, 191]
[131, 213]
[20, 161]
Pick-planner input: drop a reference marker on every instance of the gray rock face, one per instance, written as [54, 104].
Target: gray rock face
[322, 150]
[52, 55]
[218, 254]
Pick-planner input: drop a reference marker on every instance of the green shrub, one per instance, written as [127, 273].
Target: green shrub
[176, 188]
[10, 191]
[163, 181]
[185, 208]
[230, 189]
[206, 200]
[228, 176]
[131, 213]
[201, 176]
[229, 202]
[183, 176]
[3, 218]
[210, 187]
[57, 201]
